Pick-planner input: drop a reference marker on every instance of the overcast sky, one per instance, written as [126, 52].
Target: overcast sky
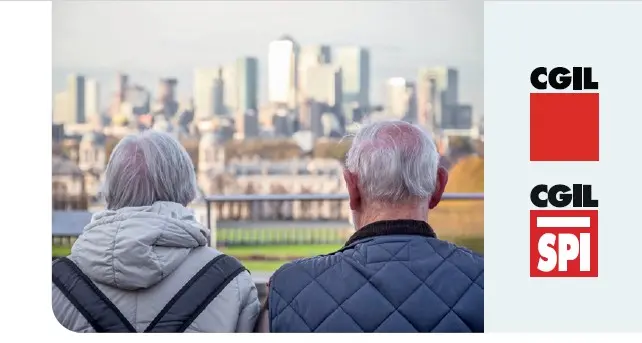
[153, 39]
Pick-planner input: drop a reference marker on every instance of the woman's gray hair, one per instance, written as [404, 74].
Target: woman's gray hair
[146, 168]
[394, 161]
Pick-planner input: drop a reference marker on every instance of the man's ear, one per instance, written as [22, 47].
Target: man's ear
[352, 182]
[440, 187]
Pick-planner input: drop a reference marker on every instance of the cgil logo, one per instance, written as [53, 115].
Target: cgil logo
[564, 126]
[563, 243]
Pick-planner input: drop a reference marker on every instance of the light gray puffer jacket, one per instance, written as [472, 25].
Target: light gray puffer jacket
[140, 257]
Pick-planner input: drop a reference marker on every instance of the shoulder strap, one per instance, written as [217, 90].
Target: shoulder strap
[196, 295]
[99, 311]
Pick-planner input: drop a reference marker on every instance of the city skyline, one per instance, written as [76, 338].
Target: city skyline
[393, 55]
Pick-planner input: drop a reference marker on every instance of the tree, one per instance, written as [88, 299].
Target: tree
[271, 149]
[467, 176]
[332, 148]
[110, 144]
[191, 146]
[460, 145]
[479, 147]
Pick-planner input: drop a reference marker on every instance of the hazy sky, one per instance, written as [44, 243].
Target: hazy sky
[153, 39]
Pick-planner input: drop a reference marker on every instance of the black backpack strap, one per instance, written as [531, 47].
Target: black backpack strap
[196, 295]
[99, 311]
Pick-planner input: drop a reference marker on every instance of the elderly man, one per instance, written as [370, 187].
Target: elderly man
[142, 265]
[393, 274]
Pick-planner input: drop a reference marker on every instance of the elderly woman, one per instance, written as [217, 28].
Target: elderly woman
[142, 265]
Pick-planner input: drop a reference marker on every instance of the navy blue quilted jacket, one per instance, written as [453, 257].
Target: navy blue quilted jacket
[391, 276]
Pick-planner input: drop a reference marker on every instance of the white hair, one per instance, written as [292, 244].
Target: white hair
[146, 168]
[394, 161]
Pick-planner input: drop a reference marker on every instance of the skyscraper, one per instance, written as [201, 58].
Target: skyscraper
[247, 125]
[60, 108]
[437, 94]
[122, 83]
[283, 71]
[311, 56]
[219, 94]
[204, 92]
[325, 89]
[247, 79]
[325, 85]
[75, 99]
[92, 100]
[230, 88]
[355, 67]
[400, 99]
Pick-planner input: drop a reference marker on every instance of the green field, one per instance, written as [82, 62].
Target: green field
[280, 236]
[283, 251]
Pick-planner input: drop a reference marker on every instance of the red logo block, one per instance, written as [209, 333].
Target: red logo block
[565, 127]
[563, 243]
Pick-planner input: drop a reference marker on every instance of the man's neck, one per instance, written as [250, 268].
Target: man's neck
[378, 212]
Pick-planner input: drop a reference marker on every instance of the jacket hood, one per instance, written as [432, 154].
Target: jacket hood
[137, 247]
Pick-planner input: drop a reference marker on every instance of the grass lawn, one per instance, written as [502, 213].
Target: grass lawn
[281, 250]
[280, 236]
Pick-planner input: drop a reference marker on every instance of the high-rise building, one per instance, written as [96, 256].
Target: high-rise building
[230, 89]
[283, 71]
[92, 100]
[204, 92]
[122, 83]
[315, 112]
[247, 125]
[437, 92]
[219, 94]
[167, 89]
[325, 85]
[355, 67]
[401, 102]
[247, 80]
[353, 113]
[75, 99]
[138, 99]
[460, 118]
[60, 108]
[284, 123]
[311, 56]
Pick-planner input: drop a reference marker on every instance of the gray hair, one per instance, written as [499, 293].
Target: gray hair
[146, 168]
[394, 161]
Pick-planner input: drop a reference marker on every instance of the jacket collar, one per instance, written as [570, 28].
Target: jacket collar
[392, 227]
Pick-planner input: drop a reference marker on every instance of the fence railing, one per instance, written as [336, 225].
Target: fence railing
[277, 219]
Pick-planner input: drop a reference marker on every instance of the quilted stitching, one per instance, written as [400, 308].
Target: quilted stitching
[384, 284]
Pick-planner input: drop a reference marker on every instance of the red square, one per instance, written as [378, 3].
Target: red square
[565, 126]
[563, 243]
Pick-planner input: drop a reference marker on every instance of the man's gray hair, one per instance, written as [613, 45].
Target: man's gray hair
[394, 161]
[146, 168]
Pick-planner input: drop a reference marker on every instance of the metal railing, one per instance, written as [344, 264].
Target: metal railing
[259, 219]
